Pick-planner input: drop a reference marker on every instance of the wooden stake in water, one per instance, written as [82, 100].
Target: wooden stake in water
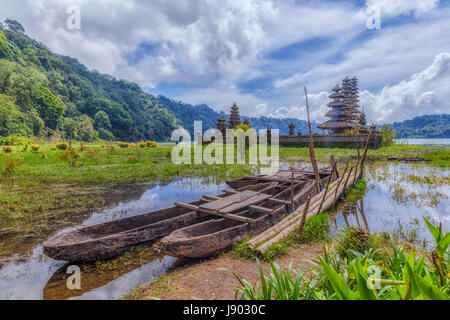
[365, 151]
[311, 145]
[292, 190]
[326, 189]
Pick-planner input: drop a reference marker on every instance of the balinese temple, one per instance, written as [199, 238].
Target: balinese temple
[339, 121]
[344, 113]
[235, 118]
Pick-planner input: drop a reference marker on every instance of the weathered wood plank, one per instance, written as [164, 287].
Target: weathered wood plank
[261, 209]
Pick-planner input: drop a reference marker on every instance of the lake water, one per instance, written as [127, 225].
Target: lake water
[396, 200]
[424, 142]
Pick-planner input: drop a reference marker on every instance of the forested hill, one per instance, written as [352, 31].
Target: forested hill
[45, 94]
[429, 126]
[42, 94]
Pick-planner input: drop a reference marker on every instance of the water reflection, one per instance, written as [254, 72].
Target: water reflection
[397, 197]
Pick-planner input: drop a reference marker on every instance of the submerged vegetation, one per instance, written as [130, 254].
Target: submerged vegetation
[359, 270]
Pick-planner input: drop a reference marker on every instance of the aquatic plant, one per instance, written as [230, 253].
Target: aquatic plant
[281, 284]
[61, 145]
[123, 145]
[12, 164]
[71, 157]
[354, 240]
[356, 191]
[8, 149]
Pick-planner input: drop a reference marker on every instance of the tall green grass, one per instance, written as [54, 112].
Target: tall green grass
[359, 276]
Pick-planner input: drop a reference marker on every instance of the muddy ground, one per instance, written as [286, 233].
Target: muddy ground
[214, 279]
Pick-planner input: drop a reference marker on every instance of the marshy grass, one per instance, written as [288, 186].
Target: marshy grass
[315, 230]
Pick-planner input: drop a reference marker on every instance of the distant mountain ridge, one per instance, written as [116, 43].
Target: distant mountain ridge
[187, 114]
[427, 126]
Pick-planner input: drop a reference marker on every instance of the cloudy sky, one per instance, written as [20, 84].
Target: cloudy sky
[259, 53]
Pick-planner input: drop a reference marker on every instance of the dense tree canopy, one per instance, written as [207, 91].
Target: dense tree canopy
[43, 93]
[429, 126]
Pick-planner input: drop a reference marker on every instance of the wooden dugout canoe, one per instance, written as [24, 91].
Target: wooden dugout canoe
[212, 237]
[282, 176]
[106, 240]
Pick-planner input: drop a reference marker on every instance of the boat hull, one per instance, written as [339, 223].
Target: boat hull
[71, 246]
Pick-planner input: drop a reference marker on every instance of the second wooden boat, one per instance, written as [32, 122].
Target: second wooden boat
[211, 237]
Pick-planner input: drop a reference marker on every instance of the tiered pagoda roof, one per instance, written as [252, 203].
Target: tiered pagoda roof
[339, 117]
[344, 113]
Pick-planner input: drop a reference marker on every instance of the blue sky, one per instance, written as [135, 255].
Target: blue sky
[260, 53]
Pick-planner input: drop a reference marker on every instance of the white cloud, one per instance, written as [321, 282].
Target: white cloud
[198, 42]
[423, 93]
[222, 98]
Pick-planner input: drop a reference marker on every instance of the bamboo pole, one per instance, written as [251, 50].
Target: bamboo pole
[365, 150]
[284, 233]
[303, 218]
[346, 181]
[339, 182]
[356, 170]
[292, 191]
[311, 145]
[328, 185]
